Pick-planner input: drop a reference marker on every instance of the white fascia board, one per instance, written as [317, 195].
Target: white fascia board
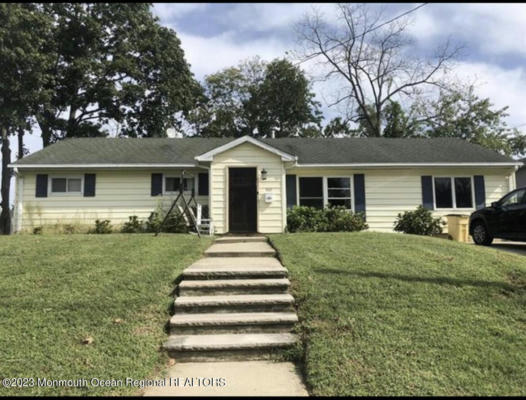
[208, 156]
[52, 166]
[410, 165]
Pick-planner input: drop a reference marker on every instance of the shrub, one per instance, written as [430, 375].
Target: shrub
[331, 219]
[101, 227]
[341, 220]
[133, 225]
[175, 223]
[418, 222]
[69, 229]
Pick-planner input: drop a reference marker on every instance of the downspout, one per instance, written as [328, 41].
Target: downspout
[17, 217]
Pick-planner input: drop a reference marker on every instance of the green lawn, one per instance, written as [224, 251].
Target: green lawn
[405, 315]
[55, 291]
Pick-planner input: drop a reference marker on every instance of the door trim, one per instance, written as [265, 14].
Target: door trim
[227, 195]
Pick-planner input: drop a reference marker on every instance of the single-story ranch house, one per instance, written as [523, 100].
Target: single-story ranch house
[247, 184]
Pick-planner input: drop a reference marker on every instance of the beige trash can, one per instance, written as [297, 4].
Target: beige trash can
[457, 227]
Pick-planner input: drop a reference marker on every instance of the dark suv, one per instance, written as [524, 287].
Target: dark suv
[505, 219]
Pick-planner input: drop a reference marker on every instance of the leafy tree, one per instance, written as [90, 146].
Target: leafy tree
[113, 64]
[338, 127]
[22, 75]
[462, 114]
[394, 122]
[225, 110]
[286, 103]
[258, 99]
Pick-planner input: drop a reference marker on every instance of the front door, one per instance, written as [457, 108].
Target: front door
[242, 195]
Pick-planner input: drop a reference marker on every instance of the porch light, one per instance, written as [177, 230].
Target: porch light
[263, 174]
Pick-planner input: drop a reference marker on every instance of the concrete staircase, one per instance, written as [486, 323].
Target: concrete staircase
[233, 304]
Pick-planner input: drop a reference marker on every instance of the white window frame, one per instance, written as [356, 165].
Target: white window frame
[322, 189]
[66, 177]
[453, 192]
[325, 188]
[165, 176]
[326, 191]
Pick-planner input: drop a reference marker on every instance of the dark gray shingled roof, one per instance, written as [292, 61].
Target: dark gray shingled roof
[308, 150]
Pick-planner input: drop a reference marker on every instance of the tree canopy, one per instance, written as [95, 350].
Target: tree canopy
[113, 64]
[23, 65]
[260, 99]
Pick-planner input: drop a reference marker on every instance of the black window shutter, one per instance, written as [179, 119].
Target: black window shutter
[427, 192]
[41, 189]
[203, 184]
[157, 184]
[359, 193]
[480, 191]
[291, 191]
[89, 185]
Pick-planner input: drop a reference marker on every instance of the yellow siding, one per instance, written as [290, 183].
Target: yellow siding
[119, 194]
[391, 191]
[270, 215]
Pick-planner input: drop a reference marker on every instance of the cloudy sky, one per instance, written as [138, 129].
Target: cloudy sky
[215, 36]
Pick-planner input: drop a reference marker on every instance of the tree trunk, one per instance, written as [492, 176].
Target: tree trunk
[5, 216]
[20, 143]
[46, 132]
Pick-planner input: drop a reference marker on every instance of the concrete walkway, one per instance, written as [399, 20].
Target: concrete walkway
[235, 378]
[233, 308]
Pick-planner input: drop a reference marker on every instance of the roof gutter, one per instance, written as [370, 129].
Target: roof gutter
[58, 166]
[380, 165]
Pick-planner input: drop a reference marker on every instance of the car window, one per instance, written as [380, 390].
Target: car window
[519, 197]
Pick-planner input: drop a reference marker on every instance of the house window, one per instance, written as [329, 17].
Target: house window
[311, 192]
[453, 192]
[339, 192]
[66, 185]
[171, 184]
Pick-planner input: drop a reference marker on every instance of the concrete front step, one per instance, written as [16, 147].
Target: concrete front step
[227, 346]
[234, 303]
[235, 268]
[241, 239]
[233, 322]
[244, 249]
[233, 286]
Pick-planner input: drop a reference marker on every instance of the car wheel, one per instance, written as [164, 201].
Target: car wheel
[481, 236]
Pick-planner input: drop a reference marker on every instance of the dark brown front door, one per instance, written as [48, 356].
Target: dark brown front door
[242, 195]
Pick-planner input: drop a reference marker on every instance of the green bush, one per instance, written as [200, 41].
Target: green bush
[174, 224]
[418, 222]
[331, 219]
[133, 225]
[102, 227]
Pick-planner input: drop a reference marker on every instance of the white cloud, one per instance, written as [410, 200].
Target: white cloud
[167, 11]
[493, 28]
[504, 87]
[209, 55]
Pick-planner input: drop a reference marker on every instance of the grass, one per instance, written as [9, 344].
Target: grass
[58, 290]
[392, 314]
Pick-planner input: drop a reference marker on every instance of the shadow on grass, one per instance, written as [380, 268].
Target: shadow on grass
[440, 280]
